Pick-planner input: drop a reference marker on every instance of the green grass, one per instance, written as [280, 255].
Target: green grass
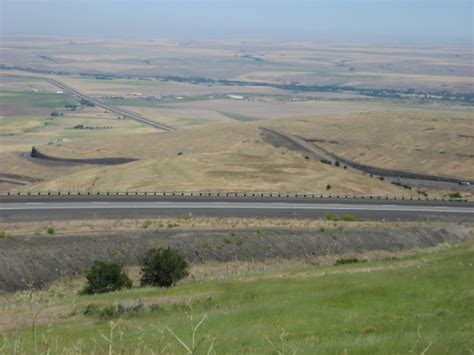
[400, 306]
[42, 100]
[13, 125]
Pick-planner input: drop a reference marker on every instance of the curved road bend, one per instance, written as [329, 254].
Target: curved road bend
[57, 210]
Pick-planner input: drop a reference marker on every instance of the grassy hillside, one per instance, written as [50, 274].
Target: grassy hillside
[437, 143]
[414, 304]
[235, 157]
[222, 162]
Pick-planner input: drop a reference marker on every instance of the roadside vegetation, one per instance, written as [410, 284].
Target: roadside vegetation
[418, 304]
[106, 277]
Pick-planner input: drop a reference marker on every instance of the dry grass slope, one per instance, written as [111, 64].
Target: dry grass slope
[218, 158]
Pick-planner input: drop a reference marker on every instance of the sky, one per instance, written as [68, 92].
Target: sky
[383, 21]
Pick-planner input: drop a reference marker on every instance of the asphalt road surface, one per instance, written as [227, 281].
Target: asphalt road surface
[364, 210]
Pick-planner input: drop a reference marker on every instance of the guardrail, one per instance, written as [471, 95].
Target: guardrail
[229, 195]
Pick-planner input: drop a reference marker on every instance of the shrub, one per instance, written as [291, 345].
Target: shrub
[112, 311]
[3, 234]
[85, 102]
[455, 195]
[348, 261]
[337, 163]
[325, 161]
[329, 217]
[51, 230]
[347, 218]
[146, 224]
[328, 187]
[398, 183]
[106, 277]
[163, 267]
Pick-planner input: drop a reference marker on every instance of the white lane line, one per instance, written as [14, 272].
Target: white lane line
[230, 205]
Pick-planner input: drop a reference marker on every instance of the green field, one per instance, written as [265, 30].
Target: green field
[418, 304]
[41, 100]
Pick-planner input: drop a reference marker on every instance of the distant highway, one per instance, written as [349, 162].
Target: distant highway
[119, 111]
[90, 208]
[396, 176]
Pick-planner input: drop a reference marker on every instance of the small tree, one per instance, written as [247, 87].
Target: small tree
[163, 267]
[106, 277]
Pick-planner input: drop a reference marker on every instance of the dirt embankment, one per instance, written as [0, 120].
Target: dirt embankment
[279, 139]
[35, 153]
[41, 260]
[17, 179]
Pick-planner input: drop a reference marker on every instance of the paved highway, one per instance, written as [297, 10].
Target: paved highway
[380, 210]
[120, 111]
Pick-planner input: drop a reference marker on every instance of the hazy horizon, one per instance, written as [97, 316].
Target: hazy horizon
[430, 22]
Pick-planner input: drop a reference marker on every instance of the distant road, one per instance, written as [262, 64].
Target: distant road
[119, 111]
[277, 138]
[16, 210]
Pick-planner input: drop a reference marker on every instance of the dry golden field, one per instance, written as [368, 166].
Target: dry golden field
[396, 66]
[234, 157]
[425, 142]
[218, 145]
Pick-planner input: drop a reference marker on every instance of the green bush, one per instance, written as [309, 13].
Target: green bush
[337, 163]
[106, 277]
[348, 261]
[455, 195]
[163, 267]
[146, 224]
[398, 183]
[325, 161]
[328, 187]
[112, 311]
[51, 230]
[329, 217]
[347, 218]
